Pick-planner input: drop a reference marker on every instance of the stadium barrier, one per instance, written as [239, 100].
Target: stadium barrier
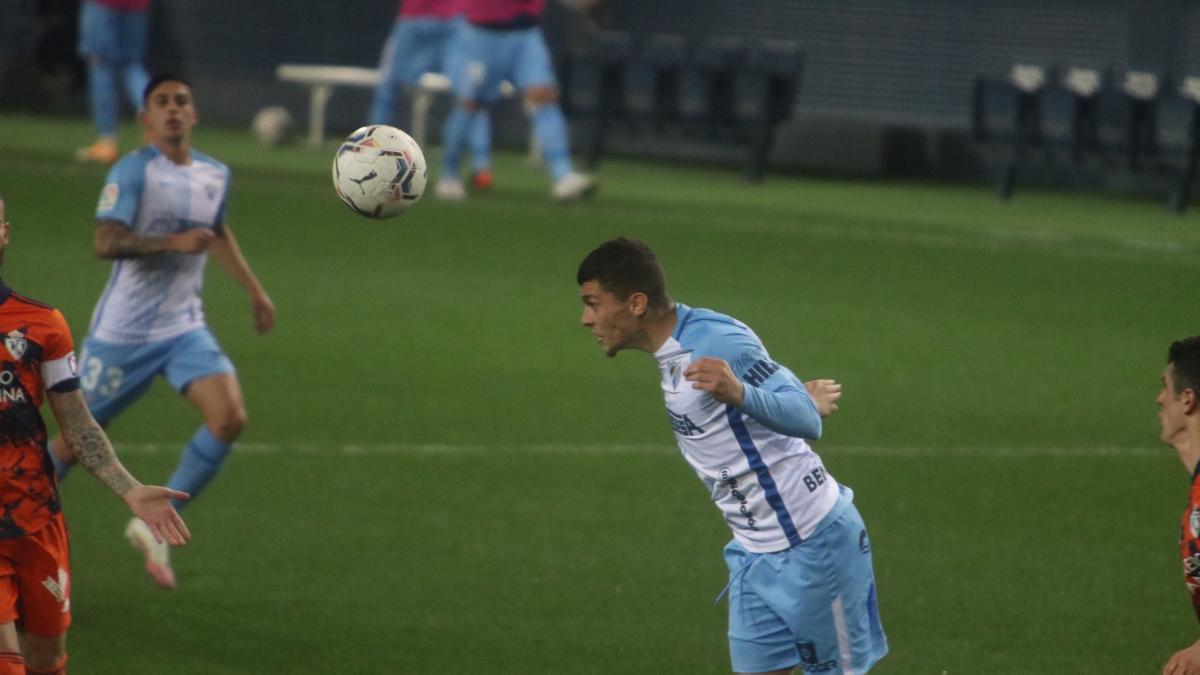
[323, 79]
[1086, 120]
[724, 89]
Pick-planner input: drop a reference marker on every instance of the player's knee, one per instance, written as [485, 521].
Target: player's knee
[228, 424]
[45, 656]
[541, 95]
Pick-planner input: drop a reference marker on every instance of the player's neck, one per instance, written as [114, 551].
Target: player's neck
[179, 152]
[1187, 444]
[658, 328]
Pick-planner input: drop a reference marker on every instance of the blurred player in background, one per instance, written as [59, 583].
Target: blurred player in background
[801, 585]
[161, 209]
[502, 41]
[112, 39]
[38, 362]
[1179, 416]
[421, 42]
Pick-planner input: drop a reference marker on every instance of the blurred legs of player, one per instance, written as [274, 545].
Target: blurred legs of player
[114, 376]
[113, 42]
[35, 588]
[417, 46]
[485, 58]
[480, 139]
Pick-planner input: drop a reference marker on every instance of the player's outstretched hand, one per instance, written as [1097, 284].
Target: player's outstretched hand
[1184, 662]
[195, 240]
[825, 393]
[152, 504]
[717, 378]
[264, 312]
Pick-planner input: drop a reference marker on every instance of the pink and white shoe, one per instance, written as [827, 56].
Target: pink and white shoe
[157, 554]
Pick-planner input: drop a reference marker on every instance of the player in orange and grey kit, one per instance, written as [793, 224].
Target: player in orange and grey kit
[37, 362]
[1179, 415]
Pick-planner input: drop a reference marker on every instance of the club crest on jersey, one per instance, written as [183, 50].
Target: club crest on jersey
[211, 191]
[16, 343]
[108, 197]
[674, 370]
[1194, 522]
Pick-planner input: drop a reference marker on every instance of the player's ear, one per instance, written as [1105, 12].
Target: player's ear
[1188, 398]
[638, 302]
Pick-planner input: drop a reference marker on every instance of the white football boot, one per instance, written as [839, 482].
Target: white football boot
[449, 189]
[573, 186]
[157, 554]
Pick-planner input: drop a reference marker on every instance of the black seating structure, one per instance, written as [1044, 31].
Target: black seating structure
[1086, 119]
[720, 90]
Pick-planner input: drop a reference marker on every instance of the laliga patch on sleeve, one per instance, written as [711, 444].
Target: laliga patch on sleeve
[108, 197]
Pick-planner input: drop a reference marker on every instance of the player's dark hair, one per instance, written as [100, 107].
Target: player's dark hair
[624, 266]
[159, 79]
[1185, 356]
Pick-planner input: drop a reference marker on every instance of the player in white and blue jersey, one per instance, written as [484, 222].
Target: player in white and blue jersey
[160, 211]
[502, 41]
[801, 585]
[421, 41]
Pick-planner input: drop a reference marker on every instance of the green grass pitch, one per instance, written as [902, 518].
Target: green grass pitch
[443, 474]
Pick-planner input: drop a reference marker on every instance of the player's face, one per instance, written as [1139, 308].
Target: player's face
[1172, 412]
[170, 114]
[611, 320]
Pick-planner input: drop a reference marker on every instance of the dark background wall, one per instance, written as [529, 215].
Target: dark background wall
[886, 81]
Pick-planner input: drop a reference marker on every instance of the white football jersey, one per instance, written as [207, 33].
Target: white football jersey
[772, 489]
[158, 297]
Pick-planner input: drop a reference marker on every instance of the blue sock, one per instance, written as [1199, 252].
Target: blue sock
[136, 78]
[481, 140]
[102, 96]
[454, 137]
[551, 129]
[201, 461]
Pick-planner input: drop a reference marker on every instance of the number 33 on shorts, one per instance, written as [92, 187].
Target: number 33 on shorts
[94, 377]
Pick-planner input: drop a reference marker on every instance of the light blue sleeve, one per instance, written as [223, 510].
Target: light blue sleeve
[774, 396]
[782, 404]
[122, 191]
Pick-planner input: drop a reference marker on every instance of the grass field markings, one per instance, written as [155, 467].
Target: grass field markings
[434, 449]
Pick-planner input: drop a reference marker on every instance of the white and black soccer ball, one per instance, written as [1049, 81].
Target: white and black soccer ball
[273, 125]
[379, 171]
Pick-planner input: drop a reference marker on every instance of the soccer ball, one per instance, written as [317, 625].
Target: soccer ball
[273, 125]
[379, 171]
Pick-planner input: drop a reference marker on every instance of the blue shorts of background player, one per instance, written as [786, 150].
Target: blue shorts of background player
[113, 376]
[113, 42]
[417, 46]
[482, 59]
[811, 606]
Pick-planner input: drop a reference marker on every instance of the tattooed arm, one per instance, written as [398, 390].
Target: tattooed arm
[90, 445]
[114, 240]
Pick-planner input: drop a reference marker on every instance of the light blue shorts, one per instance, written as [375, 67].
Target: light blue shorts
[811, 606]
[415, 47]
[114, 375]
[482, 58]
[119, 37]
